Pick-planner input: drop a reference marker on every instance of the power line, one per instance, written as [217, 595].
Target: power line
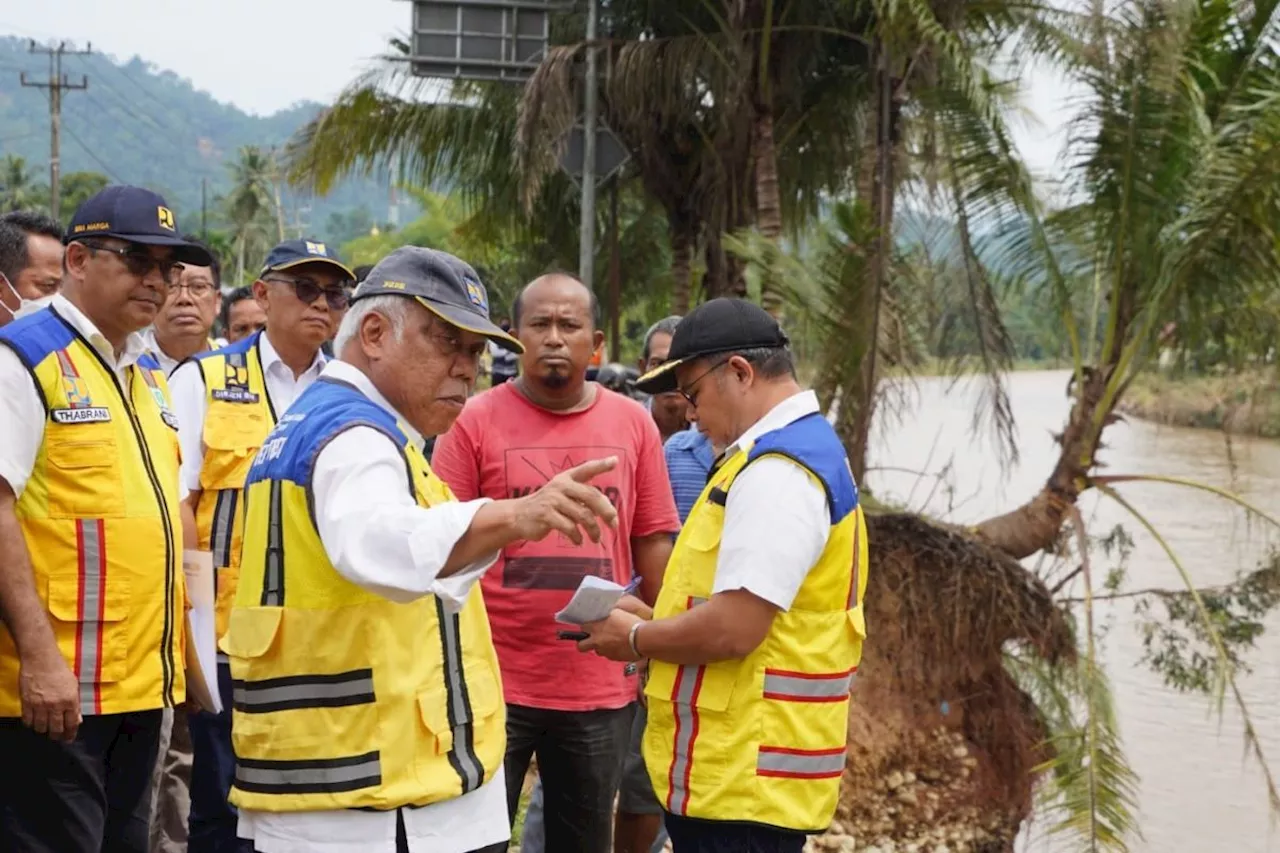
[140, 114]
[106, 171]
[56, 84]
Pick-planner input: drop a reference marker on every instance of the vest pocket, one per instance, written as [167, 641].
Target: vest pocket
[94, 609]
[232, 442]
[84, 479]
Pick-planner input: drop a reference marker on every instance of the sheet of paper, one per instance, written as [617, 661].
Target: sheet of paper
[592, 601]
[202, 640]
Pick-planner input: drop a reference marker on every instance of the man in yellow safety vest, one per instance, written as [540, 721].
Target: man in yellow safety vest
[91, 586]
[368, 714]
[758, 629]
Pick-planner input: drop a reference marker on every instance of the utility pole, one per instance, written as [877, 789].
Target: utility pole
[57, 83]
[587, 233]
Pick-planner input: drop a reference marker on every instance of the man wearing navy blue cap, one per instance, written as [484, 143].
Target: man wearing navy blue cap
[91, 583]
[227, 401]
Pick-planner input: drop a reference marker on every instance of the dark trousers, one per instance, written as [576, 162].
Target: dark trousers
[579, 760]
[213, 818]
[690, 835]
[89, 796]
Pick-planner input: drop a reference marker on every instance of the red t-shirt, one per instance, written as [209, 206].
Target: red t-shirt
[503, 446]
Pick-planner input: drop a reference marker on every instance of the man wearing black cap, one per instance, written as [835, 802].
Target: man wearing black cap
[227, 401]
[758, 629]
[91, 583]
[368, 714]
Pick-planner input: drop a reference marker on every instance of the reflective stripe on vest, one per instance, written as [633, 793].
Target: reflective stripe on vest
[309, 776]
[852, 601]
[791, 686]
[684, 695]
[92, 565]
[224, 519]
[800, 763]
[273, 580]
[293, 692]
[462, 756]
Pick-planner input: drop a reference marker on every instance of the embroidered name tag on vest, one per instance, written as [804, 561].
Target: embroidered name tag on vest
[170, 420]
[85, 415]
[234, 395]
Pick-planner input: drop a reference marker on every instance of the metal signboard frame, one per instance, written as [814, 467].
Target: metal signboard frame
[500, 40]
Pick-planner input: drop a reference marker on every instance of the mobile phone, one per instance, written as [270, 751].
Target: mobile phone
[572, 635]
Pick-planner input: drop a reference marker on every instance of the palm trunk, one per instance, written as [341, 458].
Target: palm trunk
[768, 204]
[1035, 525]
[875, 189]
[681, 270]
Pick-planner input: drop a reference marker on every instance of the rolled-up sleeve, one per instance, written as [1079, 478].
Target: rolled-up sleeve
[776, 525]
[375, 533]
[22, 420]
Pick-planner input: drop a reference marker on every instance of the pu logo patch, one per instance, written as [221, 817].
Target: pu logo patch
[89, 415]
[237, 374]
[165, 216]
[476, 295]
[77, 393]
[316, 249]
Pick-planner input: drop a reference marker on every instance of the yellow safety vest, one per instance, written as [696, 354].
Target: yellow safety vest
[100, 518]
[343, 698]
[238, 417]
[763, 739]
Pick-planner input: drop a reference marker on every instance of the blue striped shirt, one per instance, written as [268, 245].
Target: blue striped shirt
[689, 461]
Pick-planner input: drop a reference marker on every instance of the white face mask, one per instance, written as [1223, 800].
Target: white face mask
[25, 306]
[22, 303]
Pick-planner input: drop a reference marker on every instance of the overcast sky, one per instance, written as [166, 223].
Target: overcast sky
[263, 55]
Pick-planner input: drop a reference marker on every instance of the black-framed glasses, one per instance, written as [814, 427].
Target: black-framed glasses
[139, 261]
[690, 395]
[309, 290]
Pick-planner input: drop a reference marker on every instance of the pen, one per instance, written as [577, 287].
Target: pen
[633, 586]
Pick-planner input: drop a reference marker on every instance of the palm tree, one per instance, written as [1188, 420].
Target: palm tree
[252, 206]
[17, 190]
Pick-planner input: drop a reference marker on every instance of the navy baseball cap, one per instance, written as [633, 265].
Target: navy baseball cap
[137, 215]
[719, 326]
[441, 283]
[293, 253]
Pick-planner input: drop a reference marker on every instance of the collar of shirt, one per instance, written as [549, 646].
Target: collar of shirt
[134, 345]
[352, 375]
[271, 359]
[788, 411]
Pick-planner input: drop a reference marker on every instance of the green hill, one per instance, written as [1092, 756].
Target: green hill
[143, 125]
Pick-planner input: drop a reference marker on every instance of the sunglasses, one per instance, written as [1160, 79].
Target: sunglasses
[139, 262]
[309, 290]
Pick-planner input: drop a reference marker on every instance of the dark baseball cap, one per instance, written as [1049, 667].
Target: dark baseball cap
[294, 253]
[137, 215]
[719, 326]
[441, 283]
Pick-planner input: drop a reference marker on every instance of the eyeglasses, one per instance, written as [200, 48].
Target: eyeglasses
[450, 346]
[692, 397]
[139, 262]
[309, 290]
[198, 289]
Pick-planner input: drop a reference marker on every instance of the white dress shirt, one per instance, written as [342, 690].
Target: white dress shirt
[22, 415]
[377, 537]
[776, 519]
[186, 386]
[167, 362]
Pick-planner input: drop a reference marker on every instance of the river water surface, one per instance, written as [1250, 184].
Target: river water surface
[1197, 794]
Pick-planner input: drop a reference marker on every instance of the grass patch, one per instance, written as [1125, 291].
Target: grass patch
[1246, 403]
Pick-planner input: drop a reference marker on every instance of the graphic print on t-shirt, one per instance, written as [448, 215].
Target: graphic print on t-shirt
[555, 562]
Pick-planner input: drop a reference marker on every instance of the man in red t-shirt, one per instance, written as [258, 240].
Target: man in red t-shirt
[573, 711]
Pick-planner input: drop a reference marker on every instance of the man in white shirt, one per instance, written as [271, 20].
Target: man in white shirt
[227, 401]
[183, 325]
[394, 743]
[91, 585]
